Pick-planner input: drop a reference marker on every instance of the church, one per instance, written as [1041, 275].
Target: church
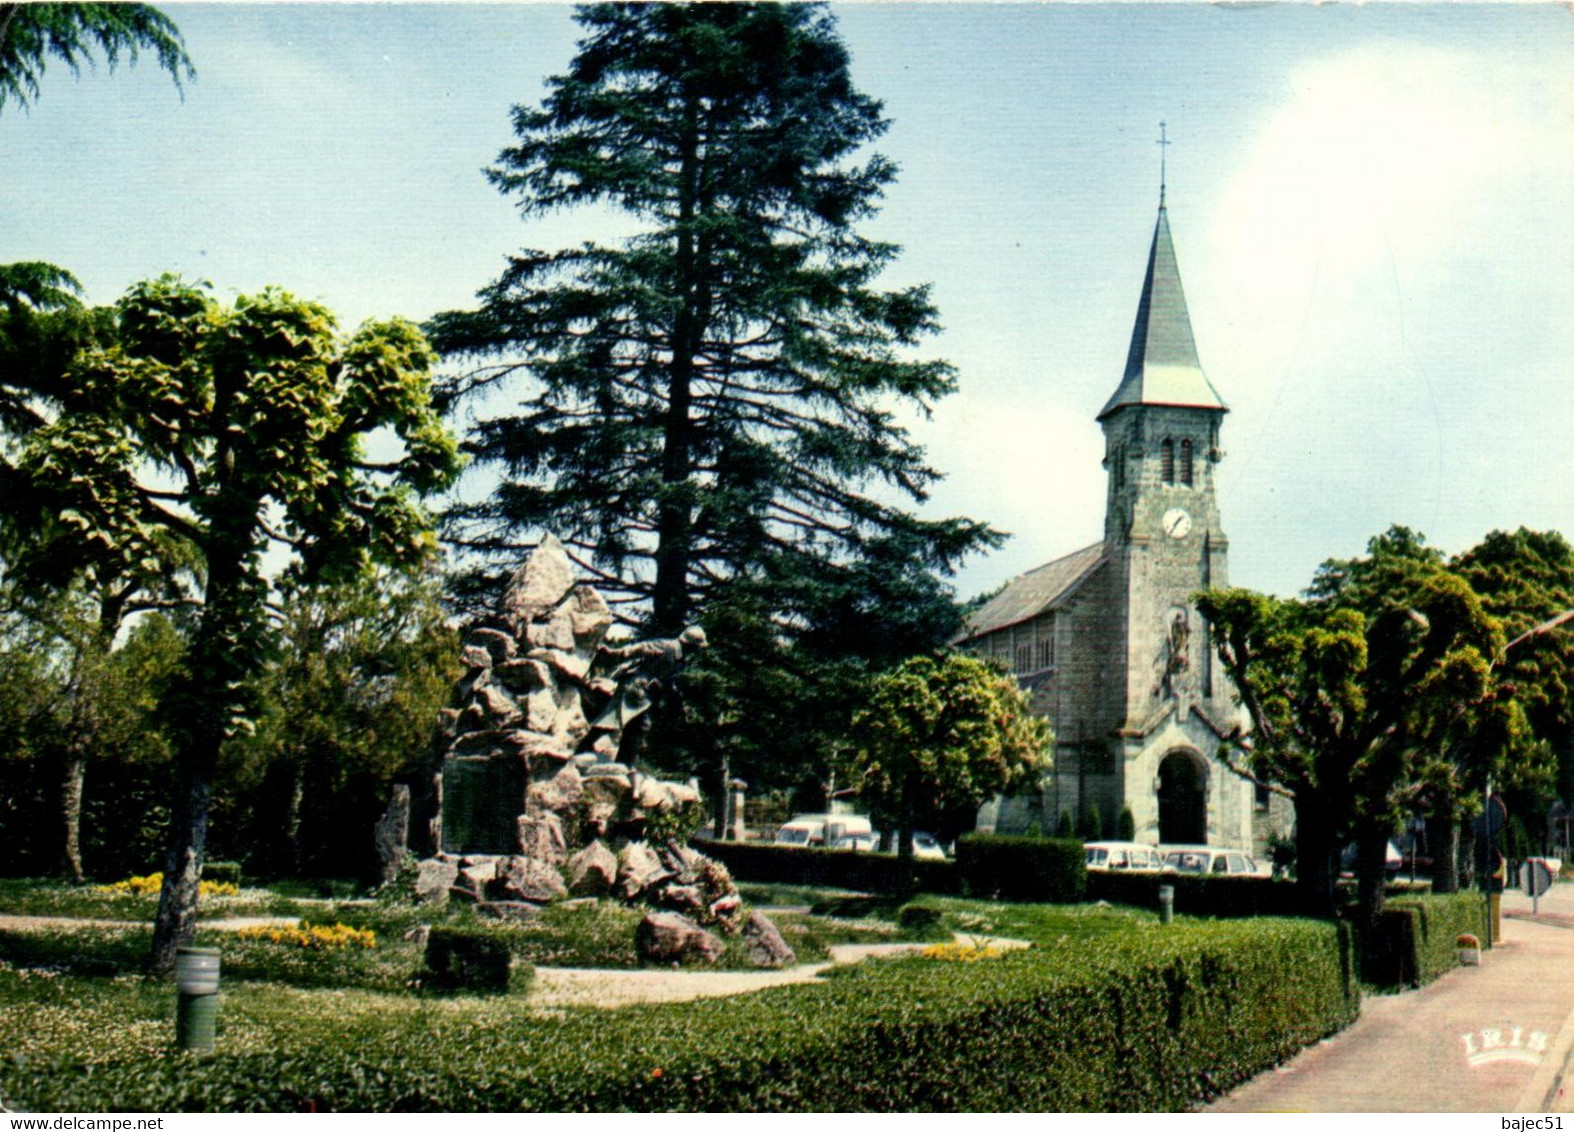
[1105, 640]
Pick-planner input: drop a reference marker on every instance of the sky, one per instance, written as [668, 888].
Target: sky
[1371, 206]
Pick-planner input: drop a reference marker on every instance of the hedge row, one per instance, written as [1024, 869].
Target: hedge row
[827, 868]
[1160, 1019]
[1198, 895]
[1050, 870]
[1416, 938]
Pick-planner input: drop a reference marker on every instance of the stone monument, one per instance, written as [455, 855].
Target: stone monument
[538, 797]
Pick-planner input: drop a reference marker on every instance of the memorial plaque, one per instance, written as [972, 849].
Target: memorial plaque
[483, 797]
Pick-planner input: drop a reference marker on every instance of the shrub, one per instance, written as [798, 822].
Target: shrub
[918, 917]
[462, 959]
[829, 868]
[1417, 938]
[1198, 895]
[1126, 827]
[1150, 1020]
[222, 872]
[1022, 868]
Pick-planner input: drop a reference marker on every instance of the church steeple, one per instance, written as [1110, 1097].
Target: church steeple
[1162, 366]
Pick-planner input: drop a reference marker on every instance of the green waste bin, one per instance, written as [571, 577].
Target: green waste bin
[197, 1001]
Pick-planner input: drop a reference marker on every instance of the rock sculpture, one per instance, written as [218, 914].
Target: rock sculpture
[534, 799]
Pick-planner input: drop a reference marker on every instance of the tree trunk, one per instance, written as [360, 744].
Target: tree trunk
[1315, 871]
[292, 816]
[73, 773]
[674, 533]
[722, 800]
[1443, 840]
[177, 905]
[1371, 864]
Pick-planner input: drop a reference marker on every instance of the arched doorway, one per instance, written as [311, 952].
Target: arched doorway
[1183, 800]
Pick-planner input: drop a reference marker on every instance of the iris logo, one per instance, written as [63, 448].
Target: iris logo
[1491, 1045]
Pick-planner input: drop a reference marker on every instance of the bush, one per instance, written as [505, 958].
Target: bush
[1415, 940]
[1151, 1020]
[1022, 868]
[1198, 895]
[918, 917]
[828, 868]
[222, 872]
[467, 959]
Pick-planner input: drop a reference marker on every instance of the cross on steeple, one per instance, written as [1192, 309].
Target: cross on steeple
[1163, 144]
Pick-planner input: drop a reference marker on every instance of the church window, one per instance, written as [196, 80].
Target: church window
[1167, 460]
[1046, 652]
[1261, 796]
[1024, 658]
[1185, 463]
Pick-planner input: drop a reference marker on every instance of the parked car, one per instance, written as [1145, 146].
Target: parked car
[1393, 860]
[1210, 860]
[925, 846]
[822, 829]
[1122, 857]
[858, 842]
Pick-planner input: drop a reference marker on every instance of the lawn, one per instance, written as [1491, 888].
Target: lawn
[346, 1030]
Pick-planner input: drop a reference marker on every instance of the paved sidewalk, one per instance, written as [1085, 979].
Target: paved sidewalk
[1494, 1038]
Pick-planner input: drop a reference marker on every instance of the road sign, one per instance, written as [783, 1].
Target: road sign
[1492, 818]
[1539, 874]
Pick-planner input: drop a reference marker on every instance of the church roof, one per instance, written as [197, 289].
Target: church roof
[1162, 366]
[1032, 593]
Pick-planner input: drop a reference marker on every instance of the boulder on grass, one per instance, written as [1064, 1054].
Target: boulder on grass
[670, 939]
[764, 943]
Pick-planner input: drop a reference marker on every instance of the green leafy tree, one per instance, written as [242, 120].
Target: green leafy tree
[42, 323]
[711, 404]
[32, 34]
[938, 732]
[347, 707]
[230, 427]
[1350, 694]
[1486, 738]
[1526, 580]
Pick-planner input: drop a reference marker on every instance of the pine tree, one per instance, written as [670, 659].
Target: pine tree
[710, 411]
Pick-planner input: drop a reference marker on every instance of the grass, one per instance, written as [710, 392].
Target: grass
[902, 1033]
[86, 902]
[77, 992]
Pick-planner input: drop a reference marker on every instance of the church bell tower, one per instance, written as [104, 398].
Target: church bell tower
[1165, 541]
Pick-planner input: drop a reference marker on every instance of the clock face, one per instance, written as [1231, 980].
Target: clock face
[1177, 523]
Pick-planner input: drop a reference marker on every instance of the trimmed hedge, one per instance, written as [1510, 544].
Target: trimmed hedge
[222, 872]
[1051, 870]
[459, 959]
[826, 868]
[1198, 895]
[1157, 1019]
[1415, 940]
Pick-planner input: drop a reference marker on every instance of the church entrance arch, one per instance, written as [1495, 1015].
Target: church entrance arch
[1183, 799]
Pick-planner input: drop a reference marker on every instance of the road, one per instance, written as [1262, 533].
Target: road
[1493, 1038]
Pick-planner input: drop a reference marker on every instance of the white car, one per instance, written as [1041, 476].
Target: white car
[1210, 860]
[1122, 857]
[858, 842]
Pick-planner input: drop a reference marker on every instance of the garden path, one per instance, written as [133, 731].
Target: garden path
[558, 987]
[45, 923]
